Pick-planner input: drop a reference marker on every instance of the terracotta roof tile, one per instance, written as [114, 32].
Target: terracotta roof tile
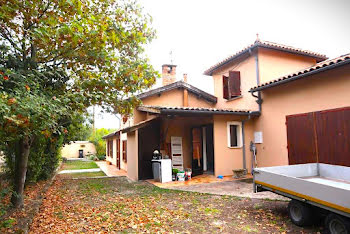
[177, 85]
[266, 44]
[166, 109]
[319, 67]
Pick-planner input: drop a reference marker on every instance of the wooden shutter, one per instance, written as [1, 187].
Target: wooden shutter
[301, 139]
[234, 84]
[118, 153]
[333, 136]
[124, 152]
[321, 136]
[225, 87]
[110, 148]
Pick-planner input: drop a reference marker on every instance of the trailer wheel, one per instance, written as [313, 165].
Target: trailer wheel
[300, 213]
[337, 224]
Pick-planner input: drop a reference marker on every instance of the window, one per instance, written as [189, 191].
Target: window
[110, 148]
[234, 134]
[232, 85]
[124, 152]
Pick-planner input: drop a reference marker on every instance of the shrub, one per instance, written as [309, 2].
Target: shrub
[101, 157]
[43, 158]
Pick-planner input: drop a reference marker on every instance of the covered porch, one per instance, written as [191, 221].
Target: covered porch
[191, 137]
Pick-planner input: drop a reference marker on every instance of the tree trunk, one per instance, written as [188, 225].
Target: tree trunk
[20, 171]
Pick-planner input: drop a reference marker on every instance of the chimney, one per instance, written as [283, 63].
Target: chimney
[168, 74]
[185, 77]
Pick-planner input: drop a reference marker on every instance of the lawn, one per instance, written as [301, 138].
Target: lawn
[116, 205]
[82, 175]
[77, 164]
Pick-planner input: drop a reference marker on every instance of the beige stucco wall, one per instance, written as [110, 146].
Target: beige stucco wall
[169, 98]
[175, 98]
[113, 160]
[327, 90]
[181, 127]
[248, 80]
[274, 64]
[227, 159]
[72, 150]
[123, 164]
[132, 145]
[195, 101]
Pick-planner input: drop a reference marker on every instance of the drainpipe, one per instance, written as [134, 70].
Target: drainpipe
[259, 101]
[243, 144]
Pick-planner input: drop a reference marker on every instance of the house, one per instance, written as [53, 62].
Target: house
[306, 116]
[78, 149]
[213, 133]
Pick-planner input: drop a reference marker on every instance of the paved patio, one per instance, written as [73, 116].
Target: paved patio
[110, 170]
[226, 186]
[200, 179]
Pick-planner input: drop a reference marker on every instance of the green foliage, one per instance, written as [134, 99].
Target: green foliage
[175, 171]
[59, 57]
[7, 223]
[5, 191]
[100, 144]
[99, 43]
[43, 158]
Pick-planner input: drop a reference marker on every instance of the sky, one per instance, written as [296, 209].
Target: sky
[201, 33]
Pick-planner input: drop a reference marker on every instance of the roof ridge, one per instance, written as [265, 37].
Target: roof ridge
[178, 84]
[263, 43]
[337, 61]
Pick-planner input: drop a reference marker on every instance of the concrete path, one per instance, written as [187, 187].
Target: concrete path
[239, 188]
[78, 159]
[110, 170]
[79, 171]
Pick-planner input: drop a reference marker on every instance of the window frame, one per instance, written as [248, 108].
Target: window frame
[110, 148]
[239, 134]
[124, 150]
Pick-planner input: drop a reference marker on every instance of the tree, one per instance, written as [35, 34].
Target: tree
[99, 143]
[59, 57]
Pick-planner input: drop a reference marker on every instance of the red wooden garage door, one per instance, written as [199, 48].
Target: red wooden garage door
[322, 136]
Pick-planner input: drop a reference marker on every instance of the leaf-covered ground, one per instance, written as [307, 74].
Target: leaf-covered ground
[116, 205]
[16, 220]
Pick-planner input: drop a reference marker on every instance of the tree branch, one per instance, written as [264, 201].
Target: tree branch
[5, 36]
[41, 15]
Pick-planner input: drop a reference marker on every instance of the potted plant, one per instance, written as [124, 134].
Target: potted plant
[175, 171]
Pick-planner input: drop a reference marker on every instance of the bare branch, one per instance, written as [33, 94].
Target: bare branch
[5, 36]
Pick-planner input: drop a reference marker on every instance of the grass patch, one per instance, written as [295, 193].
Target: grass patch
[247, 228]
[210, 210]
[76, 165]
[82, 175]
[93, 186]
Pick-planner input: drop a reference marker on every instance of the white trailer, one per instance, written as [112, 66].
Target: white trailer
[316, 190]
